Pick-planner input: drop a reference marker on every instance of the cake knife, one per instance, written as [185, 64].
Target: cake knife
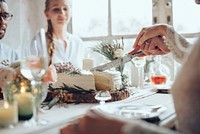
[116, 63]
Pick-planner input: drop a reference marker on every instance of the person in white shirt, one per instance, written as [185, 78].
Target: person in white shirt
[62, 46]
[7, 54]
[9, 67]
[156, 40]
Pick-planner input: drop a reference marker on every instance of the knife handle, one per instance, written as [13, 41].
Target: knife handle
[136, 54]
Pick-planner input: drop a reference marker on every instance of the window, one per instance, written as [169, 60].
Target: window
[184, 12]
[184, 22]
[94, 20]
[90, 18]
[129, 16]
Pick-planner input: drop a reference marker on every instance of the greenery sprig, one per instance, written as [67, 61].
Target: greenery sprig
[108, 48]
[50, 102]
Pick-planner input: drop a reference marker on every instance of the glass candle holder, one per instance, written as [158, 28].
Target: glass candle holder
[8, 114]
[25, 102]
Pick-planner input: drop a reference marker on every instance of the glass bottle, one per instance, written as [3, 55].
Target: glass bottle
[159, 73]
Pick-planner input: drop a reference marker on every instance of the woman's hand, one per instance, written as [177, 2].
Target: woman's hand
[94, 122]
[151, 40]
[16, 66]
[51, 75]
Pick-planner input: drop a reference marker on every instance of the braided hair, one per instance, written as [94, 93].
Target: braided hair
[49, 35]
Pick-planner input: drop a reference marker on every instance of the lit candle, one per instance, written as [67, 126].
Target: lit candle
[8, 114]
[25, 104]
[88, 63]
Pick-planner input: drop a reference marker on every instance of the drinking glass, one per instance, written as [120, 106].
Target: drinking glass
[103, 96]
[34, 63]
[139, 63]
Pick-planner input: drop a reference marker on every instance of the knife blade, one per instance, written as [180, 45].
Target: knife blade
[116, 63]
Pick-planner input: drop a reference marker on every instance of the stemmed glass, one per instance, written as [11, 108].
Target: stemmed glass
[103, 96]
[34, 63]
[139, 63]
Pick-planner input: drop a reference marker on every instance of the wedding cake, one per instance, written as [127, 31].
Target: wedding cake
[82, 86]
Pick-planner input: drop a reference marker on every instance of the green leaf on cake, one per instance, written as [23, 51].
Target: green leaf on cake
[75, 90]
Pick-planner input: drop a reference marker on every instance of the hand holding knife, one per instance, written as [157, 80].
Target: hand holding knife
[117, 62]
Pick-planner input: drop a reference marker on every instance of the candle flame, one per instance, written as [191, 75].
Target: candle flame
[6, 105]
[22, 89]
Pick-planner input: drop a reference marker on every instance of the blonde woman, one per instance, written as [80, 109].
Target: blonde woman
[62, 46]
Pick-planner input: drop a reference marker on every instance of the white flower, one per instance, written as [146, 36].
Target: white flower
[119, 53]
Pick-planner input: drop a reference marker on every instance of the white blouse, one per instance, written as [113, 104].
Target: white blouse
[72, 53]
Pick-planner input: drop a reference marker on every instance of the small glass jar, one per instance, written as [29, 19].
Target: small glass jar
[25, 101]
[8, 114]
[159, 73]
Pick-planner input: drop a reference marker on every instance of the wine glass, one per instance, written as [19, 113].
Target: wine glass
[139, 63]
[34, 63]
[103, 96]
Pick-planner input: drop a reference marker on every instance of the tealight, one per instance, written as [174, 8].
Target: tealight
[8, 114]
[25, 104]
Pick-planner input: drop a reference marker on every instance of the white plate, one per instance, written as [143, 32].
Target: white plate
[131, 111]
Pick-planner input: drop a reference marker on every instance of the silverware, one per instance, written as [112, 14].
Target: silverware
[116, 63]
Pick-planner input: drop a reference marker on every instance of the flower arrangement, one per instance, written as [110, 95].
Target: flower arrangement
[112, 50]
[67, 68]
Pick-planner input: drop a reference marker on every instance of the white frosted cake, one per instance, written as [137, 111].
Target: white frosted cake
[84, 80]
[107, 80]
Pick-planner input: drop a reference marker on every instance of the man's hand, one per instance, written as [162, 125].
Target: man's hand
[151, 41]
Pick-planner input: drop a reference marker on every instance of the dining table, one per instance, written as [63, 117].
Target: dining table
[59, 115]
